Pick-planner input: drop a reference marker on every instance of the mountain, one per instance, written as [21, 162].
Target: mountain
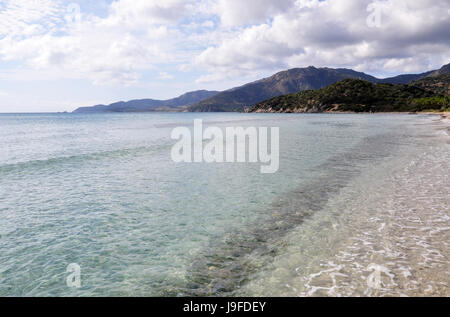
[357, 96]
[438, 84]
[443, 71]
[406, 79]
[145, 105]
[286, 82]
[293, 81]
[243, 97]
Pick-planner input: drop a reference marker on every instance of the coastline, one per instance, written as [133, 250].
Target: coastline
[392, 242]
[301, 111]
[445, 116]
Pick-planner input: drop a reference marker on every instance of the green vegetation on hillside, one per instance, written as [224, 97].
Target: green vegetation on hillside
[440, 85]
[439, 103]
[286, 82]
[357, 95]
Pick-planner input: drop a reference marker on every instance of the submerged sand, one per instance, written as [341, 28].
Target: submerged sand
[403, 249]
[393, 241]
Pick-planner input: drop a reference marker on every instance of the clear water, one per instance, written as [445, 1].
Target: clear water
[102, 191]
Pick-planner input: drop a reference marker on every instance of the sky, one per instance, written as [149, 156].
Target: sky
[57, 55]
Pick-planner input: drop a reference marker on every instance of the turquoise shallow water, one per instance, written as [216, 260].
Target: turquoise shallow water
[101, 191]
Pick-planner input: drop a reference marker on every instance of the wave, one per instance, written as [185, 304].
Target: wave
[81, 158]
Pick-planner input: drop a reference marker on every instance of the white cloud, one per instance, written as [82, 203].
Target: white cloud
[112, 49]
[413, 36]
[141, 13]
[239, 12]
[28, 17]
[221, 38]
[165, 76]
[208, 24]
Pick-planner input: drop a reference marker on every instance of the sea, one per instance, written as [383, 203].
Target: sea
[360, 206]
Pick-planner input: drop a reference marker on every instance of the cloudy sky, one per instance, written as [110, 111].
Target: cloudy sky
[56, 55]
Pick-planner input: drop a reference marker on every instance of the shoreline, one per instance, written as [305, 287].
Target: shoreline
[402, 236]
[392, 242]
[445, 114]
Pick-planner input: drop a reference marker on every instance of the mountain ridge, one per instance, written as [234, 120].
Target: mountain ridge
[356, 95]
[281, 83]
[243, 97]
[145, 105]
[293, 81]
